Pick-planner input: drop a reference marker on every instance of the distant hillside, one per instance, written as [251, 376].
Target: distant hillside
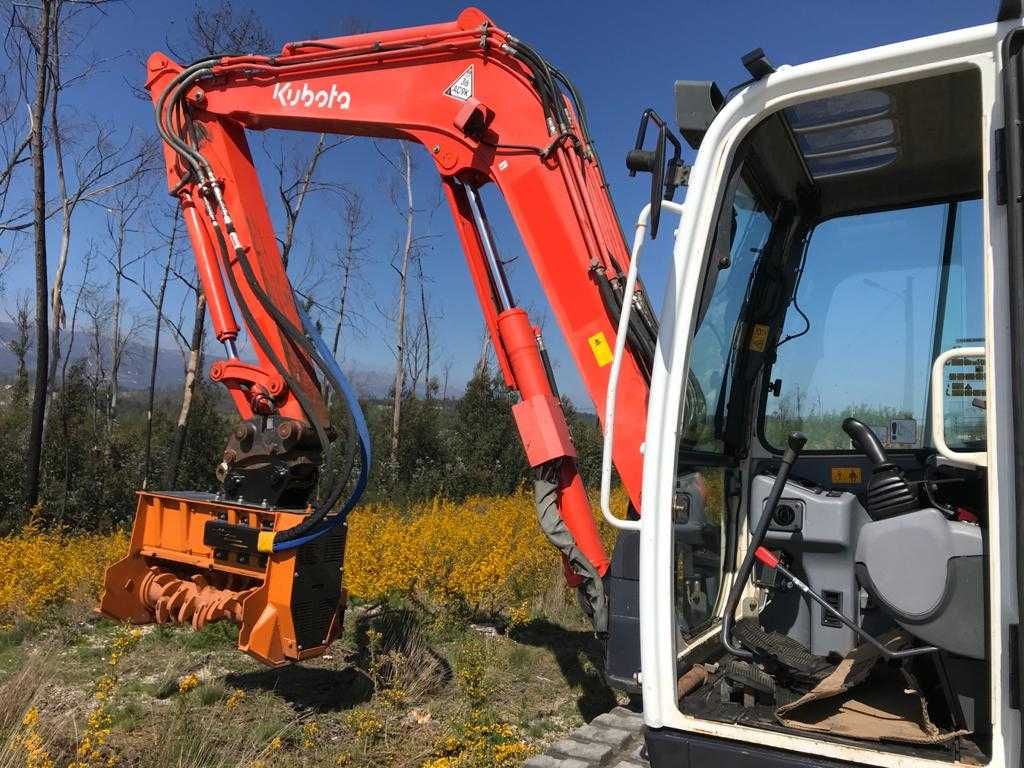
[170, 367]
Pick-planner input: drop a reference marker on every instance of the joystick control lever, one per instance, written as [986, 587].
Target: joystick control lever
[794, 444]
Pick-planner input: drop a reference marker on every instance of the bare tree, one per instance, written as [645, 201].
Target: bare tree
[19, 345]
[401, 267]
[350, 259]
[99, 165]
[124, 206]
[296, 181]
[65, 420]
[158, 322]
[35, 438]
[192, 372]
[429, 384]
[217, 28]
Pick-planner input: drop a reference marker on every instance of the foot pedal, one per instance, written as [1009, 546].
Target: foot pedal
[745, 683]
[783, 651]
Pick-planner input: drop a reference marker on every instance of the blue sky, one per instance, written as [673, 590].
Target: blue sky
[623, 57]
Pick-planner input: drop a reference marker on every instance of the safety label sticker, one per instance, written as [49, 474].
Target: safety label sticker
[846, 475]
[462, 88]
[601, 349]
[758, 338]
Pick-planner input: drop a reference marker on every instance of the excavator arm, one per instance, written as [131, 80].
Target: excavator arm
[488, 109]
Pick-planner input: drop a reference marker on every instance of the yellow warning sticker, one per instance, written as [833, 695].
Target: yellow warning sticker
[601, 349]
[759, 338]
[846, 475]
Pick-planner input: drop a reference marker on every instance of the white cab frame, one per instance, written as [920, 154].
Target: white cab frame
[978, 48]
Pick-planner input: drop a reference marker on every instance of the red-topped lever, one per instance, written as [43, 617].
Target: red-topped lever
[767, 558]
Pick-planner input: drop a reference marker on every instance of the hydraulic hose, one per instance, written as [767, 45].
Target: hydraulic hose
[362, 435]
[795, 444]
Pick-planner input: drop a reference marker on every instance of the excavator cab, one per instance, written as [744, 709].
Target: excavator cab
[838, 397]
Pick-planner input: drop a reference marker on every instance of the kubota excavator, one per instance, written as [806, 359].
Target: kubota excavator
[267, 551]
[820, 433]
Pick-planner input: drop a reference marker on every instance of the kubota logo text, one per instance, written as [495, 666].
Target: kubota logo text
[291, 95]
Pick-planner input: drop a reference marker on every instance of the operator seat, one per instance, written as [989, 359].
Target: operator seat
[921, 567]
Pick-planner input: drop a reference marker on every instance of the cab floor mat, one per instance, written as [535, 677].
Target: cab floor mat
[777, 650]
[866, 698]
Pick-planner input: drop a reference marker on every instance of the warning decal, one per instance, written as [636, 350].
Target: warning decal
[602, 351]
[846, 475]
[759, 338]
[462, 88]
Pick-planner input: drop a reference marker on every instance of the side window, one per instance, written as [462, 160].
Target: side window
[880, 295]
[702, 492]
[741, 235]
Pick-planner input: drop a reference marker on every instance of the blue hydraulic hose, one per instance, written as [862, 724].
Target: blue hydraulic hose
[362, 433]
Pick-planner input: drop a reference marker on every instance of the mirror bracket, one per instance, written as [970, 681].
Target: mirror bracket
[665, 178]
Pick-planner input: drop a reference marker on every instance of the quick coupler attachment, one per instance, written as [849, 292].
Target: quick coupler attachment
[195, 558]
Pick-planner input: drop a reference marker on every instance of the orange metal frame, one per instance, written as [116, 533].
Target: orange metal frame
[170, 574]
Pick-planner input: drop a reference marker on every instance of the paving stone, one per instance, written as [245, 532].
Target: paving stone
[547, 761]
[582, 750]
[613, 737]
[620, 718]
[631, 764]
[628, 714]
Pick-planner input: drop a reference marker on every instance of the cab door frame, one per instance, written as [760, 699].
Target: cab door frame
[976, 47]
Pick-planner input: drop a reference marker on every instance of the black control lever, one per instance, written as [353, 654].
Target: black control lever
[888, 492]
[794, 444]
[866, 440]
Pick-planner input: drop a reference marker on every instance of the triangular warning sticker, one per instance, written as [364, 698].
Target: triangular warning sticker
[462, 88]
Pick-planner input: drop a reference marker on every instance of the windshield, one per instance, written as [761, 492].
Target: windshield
[881, 295]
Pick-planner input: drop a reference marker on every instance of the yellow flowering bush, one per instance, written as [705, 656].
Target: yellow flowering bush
[42, 568]
[487, 553]
[481, 744]
[93, 749]
[36, 753]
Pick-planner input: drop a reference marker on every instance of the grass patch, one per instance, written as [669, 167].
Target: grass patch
[220, 634]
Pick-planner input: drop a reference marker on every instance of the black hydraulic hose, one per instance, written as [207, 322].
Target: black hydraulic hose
[297, 338]
[334, 493]
[540, 65]
[794, 444]
[643, 354]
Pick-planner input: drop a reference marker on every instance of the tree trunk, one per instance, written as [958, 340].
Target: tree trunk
[64, 421]
[57, 292]
[35, 440]
[147, 460]
[425, 310]
[116, 342]
[403, 274]
[192, 373]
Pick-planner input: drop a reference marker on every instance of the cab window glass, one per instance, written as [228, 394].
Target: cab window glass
[880, 295]
[742, 233]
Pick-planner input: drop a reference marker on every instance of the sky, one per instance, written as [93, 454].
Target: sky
[623, 57]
